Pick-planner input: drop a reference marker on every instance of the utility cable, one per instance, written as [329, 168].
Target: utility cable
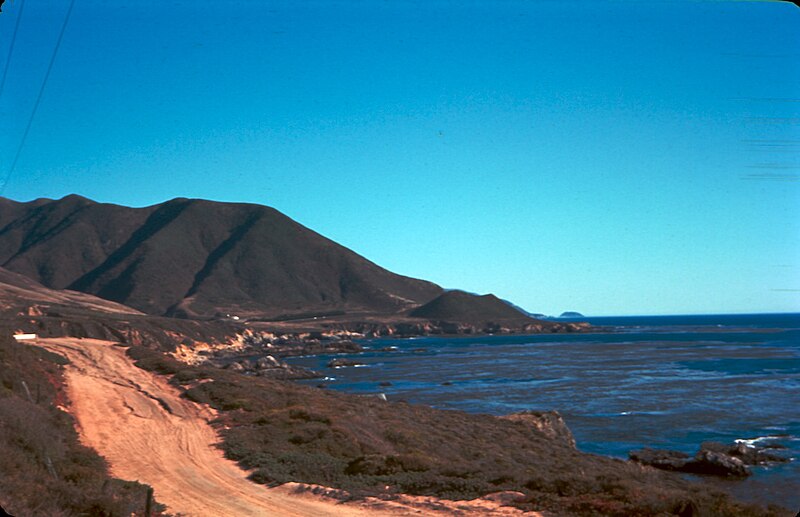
[11, 47]
[38, 99]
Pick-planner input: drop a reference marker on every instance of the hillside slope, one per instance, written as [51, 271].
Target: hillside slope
[24, 295]
[462, 306]
[195, 258]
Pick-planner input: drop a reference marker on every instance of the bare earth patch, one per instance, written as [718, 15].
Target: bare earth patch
[148, 432]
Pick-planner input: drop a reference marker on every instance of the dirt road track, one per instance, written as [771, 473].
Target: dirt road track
[147, 432]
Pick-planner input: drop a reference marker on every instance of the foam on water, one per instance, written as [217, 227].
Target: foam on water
[751, 442]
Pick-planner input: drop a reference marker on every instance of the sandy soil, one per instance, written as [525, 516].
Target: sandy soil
[147, 432]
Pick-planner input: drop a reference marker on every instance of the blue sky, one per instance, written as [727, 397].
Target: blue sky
[618, 157]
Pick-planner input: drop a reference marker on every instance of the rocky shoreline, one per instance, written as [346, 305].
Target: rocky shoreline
[713, 459]
[261, 354]
[366, 445]
[254, 348]
[456, 328]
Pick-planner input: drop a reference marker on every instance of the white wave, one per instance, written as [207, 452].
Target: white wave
[750, 442]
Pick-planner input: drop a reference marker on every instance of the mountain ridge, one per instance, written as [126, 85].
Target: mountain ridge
[195, 258]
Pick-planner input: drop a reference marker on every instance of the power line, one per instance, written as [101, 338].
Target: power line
[38, 99]
[11, 47]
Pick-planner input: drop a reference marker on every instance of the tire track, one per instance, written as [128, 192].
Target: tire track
[147, 432]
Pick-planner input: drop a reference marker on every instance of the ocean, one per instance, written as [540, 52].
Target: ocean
[658, 381]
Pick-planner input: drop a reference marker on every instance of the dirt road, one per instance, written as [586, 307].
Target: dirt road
[147, 432]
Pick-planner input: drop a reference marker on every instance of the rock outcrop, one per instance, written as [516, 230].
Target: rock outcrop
[713, 459]
[271, 368]
[343, 363]
[748, 454]
[549, 423]
[660, 458]
[712, 463]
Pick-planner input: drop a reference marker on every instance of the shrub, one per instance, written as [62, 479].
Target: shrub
[287, 432]
[44, 470]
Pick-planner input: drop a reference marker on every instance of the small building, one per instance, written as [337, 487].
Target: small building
[24, 337]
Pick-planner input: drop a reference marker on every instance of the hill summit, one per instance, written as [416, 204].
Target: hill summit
[462, 306]
[196, 258]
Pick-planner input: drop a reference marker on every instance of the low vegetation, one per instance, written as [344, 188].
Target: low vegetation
[283, 432]
[44, 470]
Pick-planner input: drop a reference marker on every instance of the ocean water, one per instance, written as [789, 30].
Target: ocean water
[667, 382]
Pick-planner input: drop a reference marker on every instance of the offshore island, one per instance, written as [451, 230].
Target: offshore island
[125, 327]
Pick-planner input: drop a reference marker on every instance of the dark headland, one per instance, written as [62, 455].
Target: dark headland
[214, 296]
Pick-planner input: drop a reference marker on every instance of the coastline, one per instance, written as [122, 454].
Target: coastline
[454, 363]
[411, 444]
[187, 377]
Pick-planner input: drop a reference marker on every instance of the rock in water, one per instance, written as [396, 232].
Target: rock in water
[341, 363]
[717, 464]
[660, 458]
[749, 454]
[712, 460]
